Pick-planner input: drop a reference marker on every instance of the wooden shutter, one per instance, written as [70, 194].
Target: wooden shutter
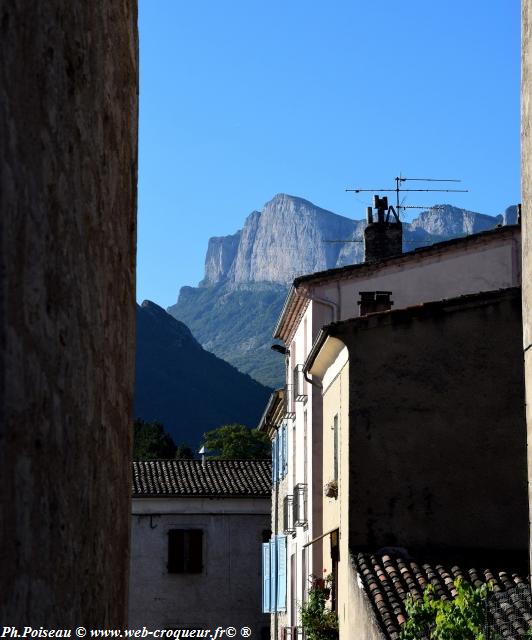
[266, 577]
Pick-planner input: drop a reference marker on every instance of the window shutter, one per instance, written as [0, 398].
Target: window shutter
[280, 453]
[274, 460]
[185, 551]
[273, 575]
[285, 449]
[194, 557]
[266, 577]
[281, 573]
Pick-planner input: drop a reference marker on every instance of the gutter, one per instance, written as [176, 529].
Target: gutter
[289, 296]
[318, 344]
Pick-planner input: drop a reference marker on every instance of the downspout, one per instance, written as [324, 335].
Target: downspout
[335, 309]
[276, 529]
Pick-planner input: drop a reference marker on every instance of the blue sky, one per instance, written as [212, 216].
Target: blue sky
[241, 99]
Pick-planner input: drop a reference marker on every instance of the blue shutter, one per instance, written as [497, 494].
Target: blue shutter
[273, 575]
[285, 450]
[266, 577]
[274, 460]
[281, 573]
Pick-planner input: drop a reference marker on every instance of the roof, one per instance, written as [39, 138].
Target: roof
[273, 412]
[297, 297]
[189, 478]
[436, 247]
[423, 309]
[388, 579]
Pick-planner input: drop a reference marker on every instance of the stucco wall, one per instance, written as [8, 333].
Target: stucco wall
[484, 264]
[526, 210]
[228, 592]
[336, 510]
[361, 623]
[437, 430]
[68, 172]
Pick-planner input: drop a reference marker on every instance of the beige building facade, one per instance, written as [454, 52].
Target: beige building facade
[424, 432]
[481, 262]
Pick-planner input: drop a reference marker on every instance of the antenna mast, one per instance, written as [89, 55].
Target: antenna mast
[398, 190]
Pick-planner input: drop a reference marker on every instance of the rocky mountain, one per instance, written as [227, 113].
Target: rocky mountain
[188, 389]
[285, 239]
[235, 307]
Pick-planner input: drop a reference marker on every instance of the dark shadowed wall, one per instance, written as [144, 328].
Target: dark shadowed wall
[437, 439]
[68, 174]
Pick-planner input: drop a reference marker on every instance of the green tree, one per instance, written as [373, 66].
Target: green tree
[184, 452]
[461, 618]
[236, 441]
[150, 441]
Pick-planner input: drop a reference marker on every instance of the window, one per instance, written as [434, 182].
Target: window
[185, 551]
[288, 515]
[300, 384]
[300, 505]
[280, 454]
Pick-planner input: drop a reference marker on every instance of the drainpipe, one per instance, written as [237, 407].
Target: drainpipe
[335, 309]
[326, 302]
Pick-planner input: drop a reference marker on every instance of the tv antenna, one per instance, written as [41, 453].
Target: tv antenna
[399, 203]
[399, 189]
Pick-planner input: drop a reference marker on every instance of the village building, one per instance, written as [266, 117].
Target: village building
[195, 530]
[424, 456]
[387, 279]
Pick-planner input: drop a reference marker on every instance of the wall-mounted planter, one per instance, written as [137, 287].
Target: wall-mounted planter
[331, 489]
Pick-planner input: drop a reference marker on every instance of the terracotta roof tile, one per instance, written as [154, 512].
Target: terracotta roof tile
[218, 478]
[389, 578]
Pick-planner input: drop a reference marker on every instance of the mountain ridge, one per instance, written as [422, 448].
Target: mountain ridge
[234, 308]
[175, 375]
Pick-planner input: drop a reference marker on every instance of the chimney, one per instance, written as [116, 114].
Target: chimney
[374, 301]
[382, 237]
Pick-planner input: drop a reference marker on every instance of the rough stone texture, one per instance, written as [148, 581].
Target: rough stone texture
[68, 173]
[220, 256]
[447, 220]
[526, 212]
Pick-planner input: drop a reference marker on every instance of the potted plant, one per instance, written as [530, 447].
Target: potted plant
[318, 620]
[331, 489]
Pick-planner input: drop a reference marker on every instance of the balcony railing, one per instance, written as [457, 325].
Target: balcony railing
[288, 514]
[289, 407]
[300, 505]
[300, 384]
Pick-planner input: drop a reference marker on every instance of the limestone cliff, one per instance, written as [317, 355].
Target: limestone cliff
[233, 311]
[288, 237]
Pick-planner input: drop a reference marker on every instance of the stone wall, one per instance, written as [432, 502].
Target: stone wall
[68, 174]
[526, 212]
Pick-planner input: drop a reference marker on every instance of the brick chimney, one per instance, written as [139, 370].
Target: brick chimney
[384, 237]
